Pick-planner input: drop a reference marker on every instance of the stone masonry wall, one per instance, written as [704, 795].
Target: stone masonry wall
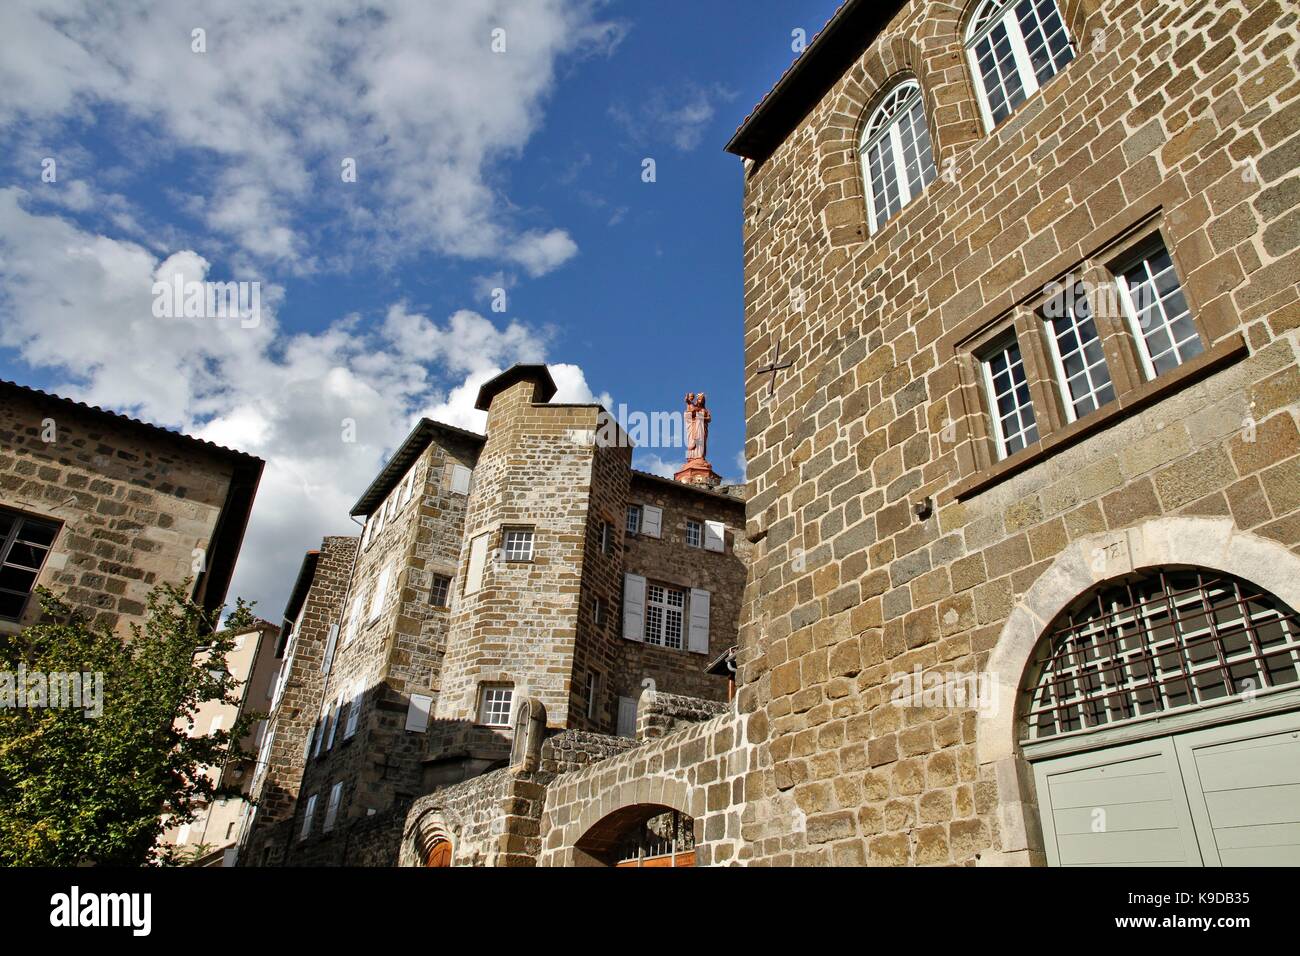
[1181, 116]
[133, 503]
[276, 785]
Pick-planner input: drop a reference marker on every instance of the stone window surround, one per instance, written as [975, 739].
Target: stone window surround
[977, 456]
[448, 580]
[976, 78]
[1173, 540]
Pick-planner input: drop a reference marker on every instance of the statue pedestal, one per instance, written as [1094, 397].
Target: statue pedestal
[698, 471]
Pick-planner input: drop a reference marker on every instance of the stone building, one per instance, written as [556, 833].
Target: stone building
[531, 564]
[1024, 487]
[100, 508]
[210, 839]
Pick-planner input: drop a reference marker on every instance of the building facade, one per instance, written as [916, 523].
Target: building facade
[210, 839]
[532, 564]
[1022, 383]
[101, 508]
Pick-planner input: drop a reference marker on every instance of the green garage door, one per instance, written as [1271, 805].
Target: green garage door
[1224, 796]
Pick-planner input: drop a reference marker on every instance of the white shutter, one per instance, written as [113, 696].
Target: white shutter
[311, 739]
[380, 594]
[307, 814]
[715, 536]
[460, 476]
[634, 607]
[183, 835]
[368, 533]
[332, 807]
[410, 487]
[477, 558]
[417, 713]
[332, 721]
[354, 714]
[651, 519]
[329, 649]
[627, 717]
[699, 641]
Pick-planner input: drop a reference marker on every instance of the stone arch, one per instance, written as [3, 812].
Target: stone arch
[1212, 543]
[624, 805]
[429, 828]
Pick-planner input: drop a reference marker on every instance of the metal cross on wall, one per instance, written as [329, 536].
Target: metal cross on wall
[776, 365]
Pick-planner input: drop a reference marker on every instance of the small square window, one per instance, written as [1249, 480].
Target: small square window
[440, 591]
[633, 519]
[494, 706]
[517, 544]
[1007, 387]
[694, 534]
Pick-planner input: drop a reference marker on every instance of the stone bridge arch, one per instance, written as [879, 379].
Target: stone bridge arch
[589, 837]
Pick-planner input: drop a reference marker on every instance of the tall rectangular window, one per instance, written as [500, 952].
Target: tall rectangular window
[1015, 46]
[494, 706]
[517, 544]
[664, 607]
[593, 692]
[1008, 392]
[332, 807]
[440, 591]
[694, 533]
[24, 545]
[1077, 355]
[633, 519]
[606, 538]
[307, 814]
[1157, 310]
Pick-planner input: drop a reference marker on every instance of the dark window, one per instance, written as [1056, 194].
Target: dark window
[606, 538]
[440, 591]
[26, 542]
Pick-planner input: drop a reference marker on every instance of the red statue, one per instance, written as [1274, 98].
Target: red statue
[697, 469]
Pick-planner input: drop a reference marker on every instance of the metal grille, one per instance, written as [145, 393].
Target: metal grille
[1158, 642]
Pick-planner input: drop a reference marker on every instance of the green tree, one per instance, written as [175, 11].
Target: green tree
[78, 789]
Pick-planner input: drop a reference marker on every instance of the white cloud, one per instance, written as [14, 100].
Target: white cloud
[655, 464]
[286, 91]
[680, 117]
[80, 305]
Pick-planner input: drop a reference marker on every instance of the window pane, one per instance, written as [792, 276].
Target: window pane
[1015, 425]
[1045, 37]
[1077, 348]
[897, 155]
[1159, 311]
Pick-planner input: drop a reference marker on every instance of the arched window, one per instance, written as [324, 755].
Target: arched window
[1015, 46]
[897, 160]
[1161, 641]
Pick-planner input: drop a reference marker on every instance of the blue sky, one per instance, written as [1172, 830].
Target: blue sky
[217, 155]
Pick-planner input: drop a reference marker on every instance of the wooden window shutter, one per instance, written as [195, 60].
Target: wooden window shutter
[417, 713]
[332, 721]
[699, 640]
[460, 478]
[380, 594]
[627, 717]
[634, 607]
[715, 536]
[651, 520]
[330, 642]
[477, 558]
[354, 714]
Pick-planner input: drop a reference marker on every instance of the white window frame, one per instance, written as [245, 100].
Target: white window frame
[886, 123]
[1000, 345]
[694, 533]
[633, 519]
[1143, 258]
[1094, 386]
[659, 635]
[986, 20]
[490, 697]
[598, 612]
[510, 537]
[606, 538]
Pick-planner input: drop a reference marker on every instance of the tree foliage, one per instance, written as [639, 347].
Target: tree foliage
[78, 789]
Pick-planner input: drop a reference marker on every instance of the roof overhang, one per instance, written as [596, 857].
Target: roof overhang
[398, 465]
[840, 43]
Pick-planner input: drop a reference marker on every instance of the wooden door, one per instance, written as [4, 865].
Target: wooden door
[439, 854]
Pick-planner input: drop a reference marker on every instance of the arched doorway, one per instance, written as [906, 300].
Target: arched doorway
[640, 835]
[1160, 717]
[439, 854]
